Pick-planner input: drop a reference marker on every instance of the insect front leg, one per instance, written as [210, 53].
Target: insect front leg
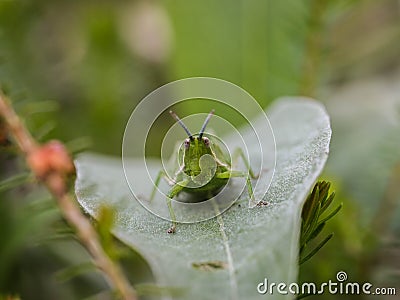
[239, 153]
[175, 190]
[229, 174]
[160, 175]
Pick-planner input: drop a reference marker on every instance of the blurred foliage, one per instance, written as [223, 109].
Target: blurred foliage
[76, 69]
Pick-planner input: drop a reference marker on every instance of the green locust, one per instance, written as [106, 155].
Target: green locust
[204, 168]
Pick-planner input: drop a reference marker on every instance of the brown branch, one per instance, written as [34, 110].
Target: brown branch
[52, 165]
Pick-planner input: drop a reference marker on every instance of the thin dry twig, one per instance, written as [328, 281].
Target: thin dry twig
[51, 164]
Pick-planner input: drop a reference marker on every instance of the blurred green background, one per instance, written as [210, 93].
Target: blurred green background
[76, 69]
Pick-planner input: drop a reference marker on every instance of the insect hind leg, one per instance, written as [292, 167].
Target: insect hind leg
[160, 175]
[229, 174]
[239, 153]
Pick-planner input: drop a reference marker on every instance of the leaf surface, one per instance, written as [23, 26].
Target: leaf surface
[228, 256]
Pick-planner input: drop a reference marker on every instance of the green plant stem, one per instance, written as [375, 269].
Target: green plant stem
[67, 204]
[313, 47]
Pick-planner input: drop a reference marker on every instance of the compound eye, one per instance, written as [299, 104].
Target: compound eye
[206, 141]
[186, 143]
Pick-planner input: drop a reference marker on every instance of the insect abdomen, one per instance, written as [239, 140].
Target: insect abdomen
[207, 191]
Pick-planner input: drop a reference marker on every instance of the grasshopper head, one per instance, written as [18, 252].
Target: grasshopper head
[195, 146]
[194, 150]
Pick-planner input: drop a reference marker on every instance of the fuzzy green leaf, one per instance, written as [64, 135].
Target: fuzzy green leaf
[249, 244]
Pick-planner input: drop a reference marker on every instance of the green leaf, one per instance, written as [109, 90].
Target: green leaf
[316, 249]
[247, 244]
[331, 215]
[258, 31]
[14, 181]
[75, 270]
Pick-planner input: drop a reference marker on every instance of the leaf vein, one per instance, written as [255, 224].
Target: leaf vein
[231, 269]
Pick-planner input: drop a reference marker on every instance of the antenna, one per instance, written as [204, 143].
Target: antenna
[175, 116]
[205, 123]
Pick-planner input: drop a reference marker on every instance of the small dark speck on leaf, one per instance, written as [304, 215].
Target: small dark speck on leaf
[210, 265]
[262, 203]
[171, 230]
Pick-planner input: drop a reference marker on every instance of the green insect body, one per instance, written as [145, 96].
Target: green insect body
[200, 164]
[204, 168]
